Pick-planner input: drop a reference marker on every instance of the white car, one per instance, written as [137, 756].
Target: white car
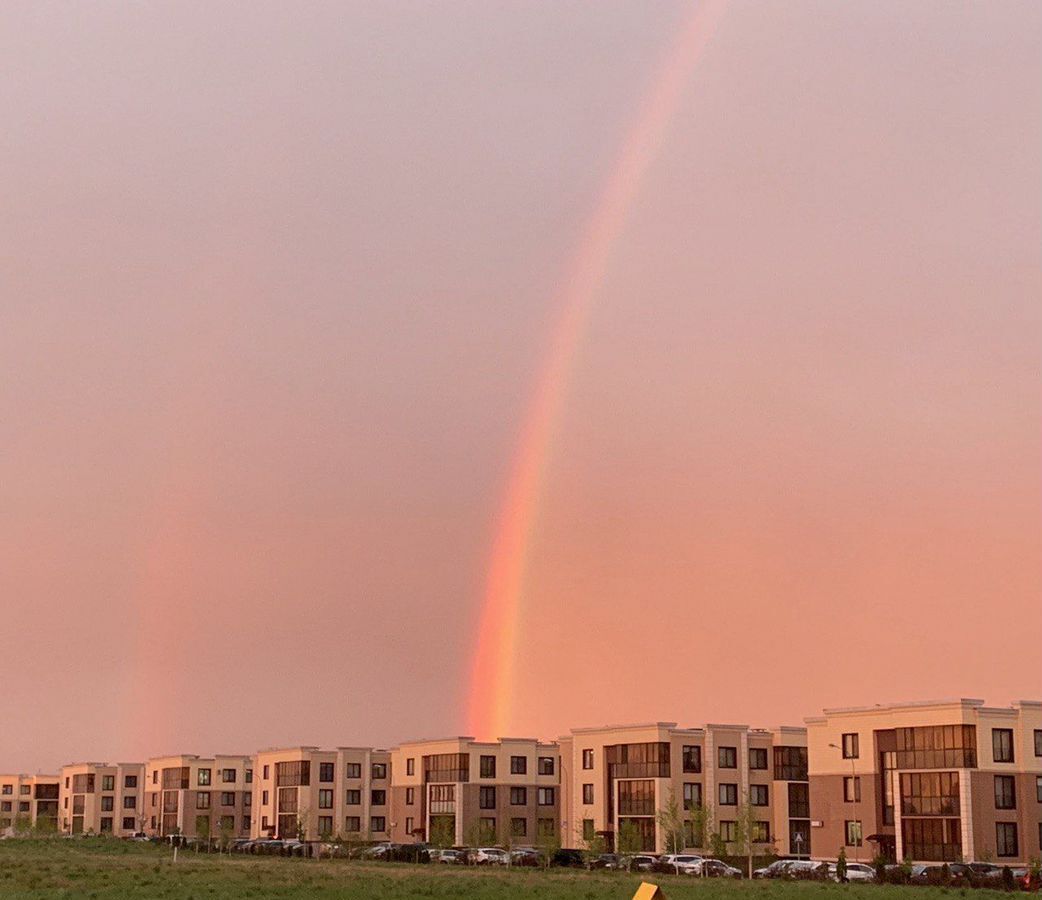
[490, 856]
[855, 872]
[683, 863]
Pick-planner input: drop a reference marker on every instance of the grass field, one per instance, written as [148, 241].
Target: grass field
[106, 868]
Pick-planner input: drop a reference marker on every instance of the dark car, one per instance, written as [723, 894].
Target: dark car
[605, 861]
[642, 862]
[569, 859]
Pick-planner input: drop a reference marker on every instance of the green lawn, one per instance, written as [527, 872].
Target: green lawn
[107, 868]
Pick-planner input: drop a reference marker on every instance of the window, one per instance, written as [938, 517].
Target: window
[23, 807]
[204, 777]
[353, 770]
[757, 757]
[487, 766]
[692, 794]
[378, 798]
[247, 821]
[106, 825]
[352, 824]
[761, 832]
[518, 765]
[486, 797]
[930, 794]
[410, 796]
[759, 795]
[266, 773]
[25, 789]
[155, 777]
[326, 772]
[410, 766]
[130, 781]
[587, 793]
[107, 803]
[379, 772]
[727, 757]
[852, 830]
[519, 827]
[799, 800]
[202, 824]
[325, 824]
[692, 758]
[588, 758]
[378, 823]
[1002, 744]
[728, 794]
[128, 823]
[264, 798]
[6, 806]
[588, 830]
[645, 760]
[108, 782]
[546, 827]
[790, 763]
[228, 776]
[354, 797]
[851, 750]
[8, 789]
[1006, 843]
[852, 789]
[1038, 787]
[247, 800]
[727, 831]
[545, 796]
[325, 798]
[130, 802]
[1005, 792]
[202, 800]
[637, 798]
[410, 825]
[545, 765]
[249, 776]
[1038, 742]
[518, 796]
[487, 826]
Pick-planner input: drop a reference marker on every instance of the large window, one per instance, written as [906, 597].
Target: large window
[637, 798]
[692, 794]
[293, 773]
[758, 795]
[799, 800]
[852, 831]
[1002, 744]
[929, 794]
[727, 794]
[650, 760]
[757, 757]
[790, 763]
[851, 746]
[447, 767]
[487, 766]
[692, 760]
[487, 797]
[1005, 792]
[176, 778]
[932, 840]
[936, 747]
[727, 757]
[1006, 843]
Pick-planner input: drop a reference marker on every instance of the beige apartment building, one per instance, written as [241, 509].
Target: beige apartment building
[28, 801]
[198, 796]
[101, 798]
[624, 775]
[929, 781]
[308, 793]
[457, 791]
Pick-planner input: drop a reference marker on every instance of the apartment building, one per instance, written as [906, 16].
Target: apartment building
[101, 798]
[305, 792]
[929, 781]
[457, 791]
[621, 776]
[28, 801]
[198, 796]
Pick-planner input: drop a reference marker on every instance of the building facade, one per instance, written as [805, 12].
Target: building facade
[102, 798]
[932, 781]
[198, 796]
[308, 793]
[619, 778]
[29, 802]
[459, 791]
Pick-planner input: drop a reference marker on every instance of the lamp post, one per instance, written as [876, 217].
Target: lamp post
[854, 790]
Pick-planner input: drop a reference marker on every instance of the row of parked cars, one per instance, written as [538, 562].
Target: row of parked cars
[956, 874]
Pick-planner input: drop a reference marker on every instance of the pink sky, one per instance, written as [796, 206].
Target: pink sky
[275, 284]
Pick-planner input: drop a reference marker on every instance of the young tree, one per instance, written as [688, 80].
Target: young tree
[841, 865]
[670, 819]
[548, 842]
[443, 831]
[202, 830]
[593, 844]
[226, 829]
[629, 839]
[745, 832]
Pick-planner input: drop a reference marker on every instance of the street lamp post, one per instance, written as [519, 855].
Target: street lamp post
[854, 791]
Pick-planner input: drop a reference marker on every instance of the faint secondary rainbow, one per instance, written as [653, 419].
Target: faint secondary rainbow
[492, 675]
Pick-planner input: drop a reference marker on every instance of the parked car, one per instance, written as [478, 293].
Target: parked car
[680, 864]
[641, 862]
[448, 857]
[775, 870]
[855, 872]
[378, 851]
[489, 856]
[569, 859]
[605, 861]
[717, 868]
[524, 856]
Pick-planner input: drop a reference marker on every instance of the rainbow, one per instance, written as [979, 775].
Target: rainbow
[492, 674]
